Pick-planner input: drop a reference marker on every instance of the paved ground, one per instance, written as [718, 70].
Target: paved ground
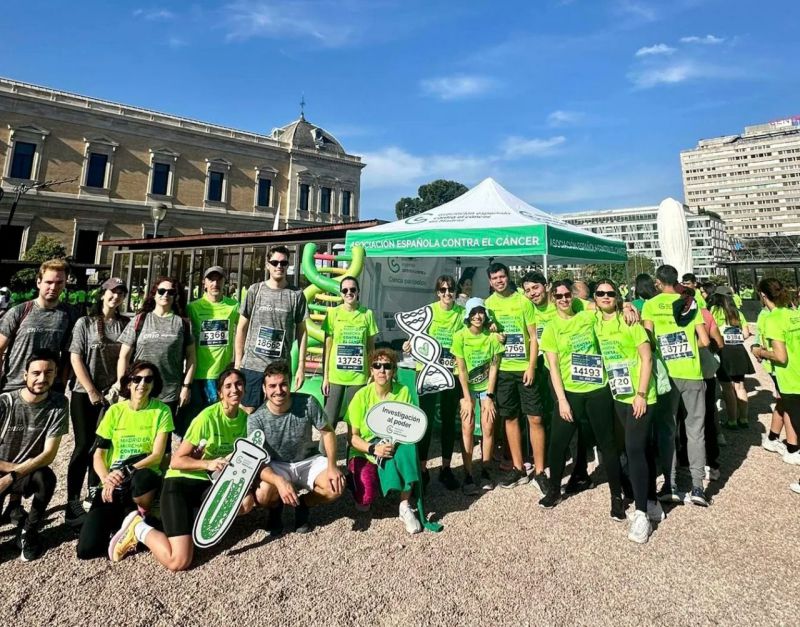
[501, 560]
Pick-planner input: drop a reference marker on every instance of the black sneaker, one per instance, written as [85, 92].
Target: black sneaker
[31, 543]
[513, 478]
[74, 514]
[617, 509]
[550, 500]
[302, 513]
[275, 520]
[487, 483]
[578, 484]
[542, 482]
[448, 479]
[698, 497]
[469, 487]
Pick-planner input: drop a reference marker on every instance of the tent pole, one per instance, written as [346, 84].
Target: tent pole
[544, 266]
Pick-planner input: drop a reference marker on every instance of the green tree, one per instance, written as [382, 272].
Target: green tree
[560, 274]
[43, 249]
[430, 195]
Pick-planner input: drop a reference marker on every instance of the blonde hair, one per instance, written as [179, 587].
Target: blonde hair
[56, 265]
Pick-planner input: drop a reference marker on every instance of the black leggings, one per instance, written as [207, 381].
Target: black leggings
[640, 451]
[449, 401]
[104, 519]
[41, 485]
[85, 417]
[593, 413]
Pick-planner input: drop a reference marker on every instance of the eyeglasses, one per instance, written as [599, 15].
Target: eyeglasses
[143, 378]
[446, 290]
[168, 291]
[275, 263]
[601, 293]
[349, 290]
[383, 366]
[561, 296]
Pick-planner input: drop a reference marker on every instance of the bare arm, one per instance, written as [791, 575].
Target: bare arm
[326, 351]
[555, 377]
[702, 336]
[182, 459]
[241, 336]
[302, 344]
[125, 354]
[646, 369]
[191, 364]
[83, 376]
[462, 377]
[3, 345]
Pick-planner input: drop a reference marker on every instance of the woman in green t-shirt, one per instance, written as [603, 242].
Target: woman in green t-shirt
[131, 440]
[447, 319]
[350, 333]
[366, 450]
[628, 360]
[584, 400]
[734, 361]
[205, 449]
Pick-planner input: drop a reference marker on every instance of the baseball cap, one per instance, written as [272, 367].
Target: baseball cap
[114, 283]
[723, 289]
[473, 303]
[212, 269]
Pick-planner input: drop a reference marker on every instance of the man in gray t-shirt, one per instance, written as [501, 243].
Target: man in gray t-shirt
[286, 420]
[270, 319]
[40, 324]
[32, 422]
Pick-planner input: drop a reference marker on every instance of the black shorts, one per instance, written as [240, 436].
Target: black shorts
[791, 405]
[253, 388]
[515, 399]
[181, 499]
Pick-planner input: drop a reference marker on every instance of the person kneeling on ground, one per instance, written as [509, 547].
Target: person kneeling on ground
[286, 420]
[401, 471]
[188, 479]
[32, 421]
[131, 440]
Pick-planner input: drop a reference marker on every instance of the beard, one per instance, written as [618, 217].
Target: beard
[45, 388]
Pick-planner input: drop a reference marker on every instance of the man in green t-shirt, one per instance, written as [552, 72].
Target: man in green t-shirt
[679, 335]
[690, 280]
[514, 317]
[214, 317]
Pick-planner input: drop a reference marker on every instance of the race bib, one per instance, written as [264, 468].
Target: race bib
[515, 346]
[733, 336]
[350, 357]
[478, 374]
[214, 333]
[619, 378]
[447, 359]
[269, 343]
[675, 346]
[587, 368]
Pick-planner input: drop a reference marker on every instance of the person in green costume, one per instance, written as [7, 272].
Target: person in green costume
[205, 449]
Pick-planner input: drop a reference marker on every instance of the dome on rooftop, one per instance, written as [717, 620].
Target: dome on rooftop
[303, 134]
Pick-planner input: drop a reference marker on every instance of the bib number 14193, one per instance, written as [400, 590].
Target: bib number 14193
[587, 368]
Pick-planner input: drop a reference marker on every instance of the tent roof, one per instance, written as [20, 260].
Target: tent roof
[487, 220]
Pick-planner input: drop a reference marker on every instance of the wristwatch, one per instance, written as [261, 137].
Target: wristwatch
[490, 395]
[642, 394]
[371, 449]
[186, 385]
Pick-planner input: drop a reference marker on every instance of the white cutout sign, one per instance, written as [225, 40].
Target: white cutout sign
[398, 422]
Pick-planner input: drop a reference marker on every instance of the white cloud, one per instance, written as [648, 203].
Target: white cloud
[654, 50]
[515, 147]
[154, 14]
[664, 75]
[564, 118]
[176, 42]
[391, 167]
[709, 40]
[641, 11]
[457, 87]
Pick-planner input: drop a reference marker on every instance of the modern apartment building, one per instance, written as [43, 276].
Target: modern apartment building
[751, 180]
[638, 228]
[114, 163]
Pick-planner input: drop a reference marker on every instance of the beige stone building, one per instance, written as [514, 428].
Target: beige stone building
[118, 162]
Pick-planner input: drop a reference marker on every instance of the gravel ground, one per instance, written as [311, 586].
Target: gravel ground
[500, 559]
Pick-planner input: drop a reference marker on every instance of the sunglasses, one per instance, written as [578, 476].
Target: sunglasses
[279, 264]
[168, 291]
[561, 296]
[446, 290]
[383, 366]
[143, 378]
[349, 290]
[601, 293]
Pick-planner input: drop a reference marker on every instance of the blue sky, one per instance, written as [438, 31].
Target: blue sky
[570, 104]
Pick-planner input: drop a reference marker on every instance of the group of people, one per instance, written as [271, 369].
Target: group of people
[158, 400]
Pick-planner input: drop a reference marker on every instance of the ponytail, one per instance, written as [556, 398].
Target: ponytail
[774, 290]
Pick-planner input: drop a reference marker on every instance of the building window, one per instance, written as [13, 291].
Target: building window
[162, 173]
[216, 182]
[96, 172]
[325, 200]
[22, 160]
[304, 192]
[264, 193]
[161, 177]
[346, 200]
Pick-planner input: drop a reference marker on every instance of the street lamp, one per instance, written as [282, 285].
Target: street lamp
[158, 212]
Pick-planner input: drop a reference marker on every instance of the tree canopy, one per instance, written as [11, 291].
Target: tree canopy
[429, 196]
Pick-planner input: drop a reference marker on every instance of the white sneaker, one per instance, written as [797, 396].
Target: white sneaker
[655, 513]
[640, 528]
[409, 518]
[773, 446]
[712, 474]
[792, 458]
[795, 487]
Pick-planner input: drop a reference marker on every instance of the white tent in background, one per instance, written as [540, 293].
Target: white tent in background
[673, 236]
